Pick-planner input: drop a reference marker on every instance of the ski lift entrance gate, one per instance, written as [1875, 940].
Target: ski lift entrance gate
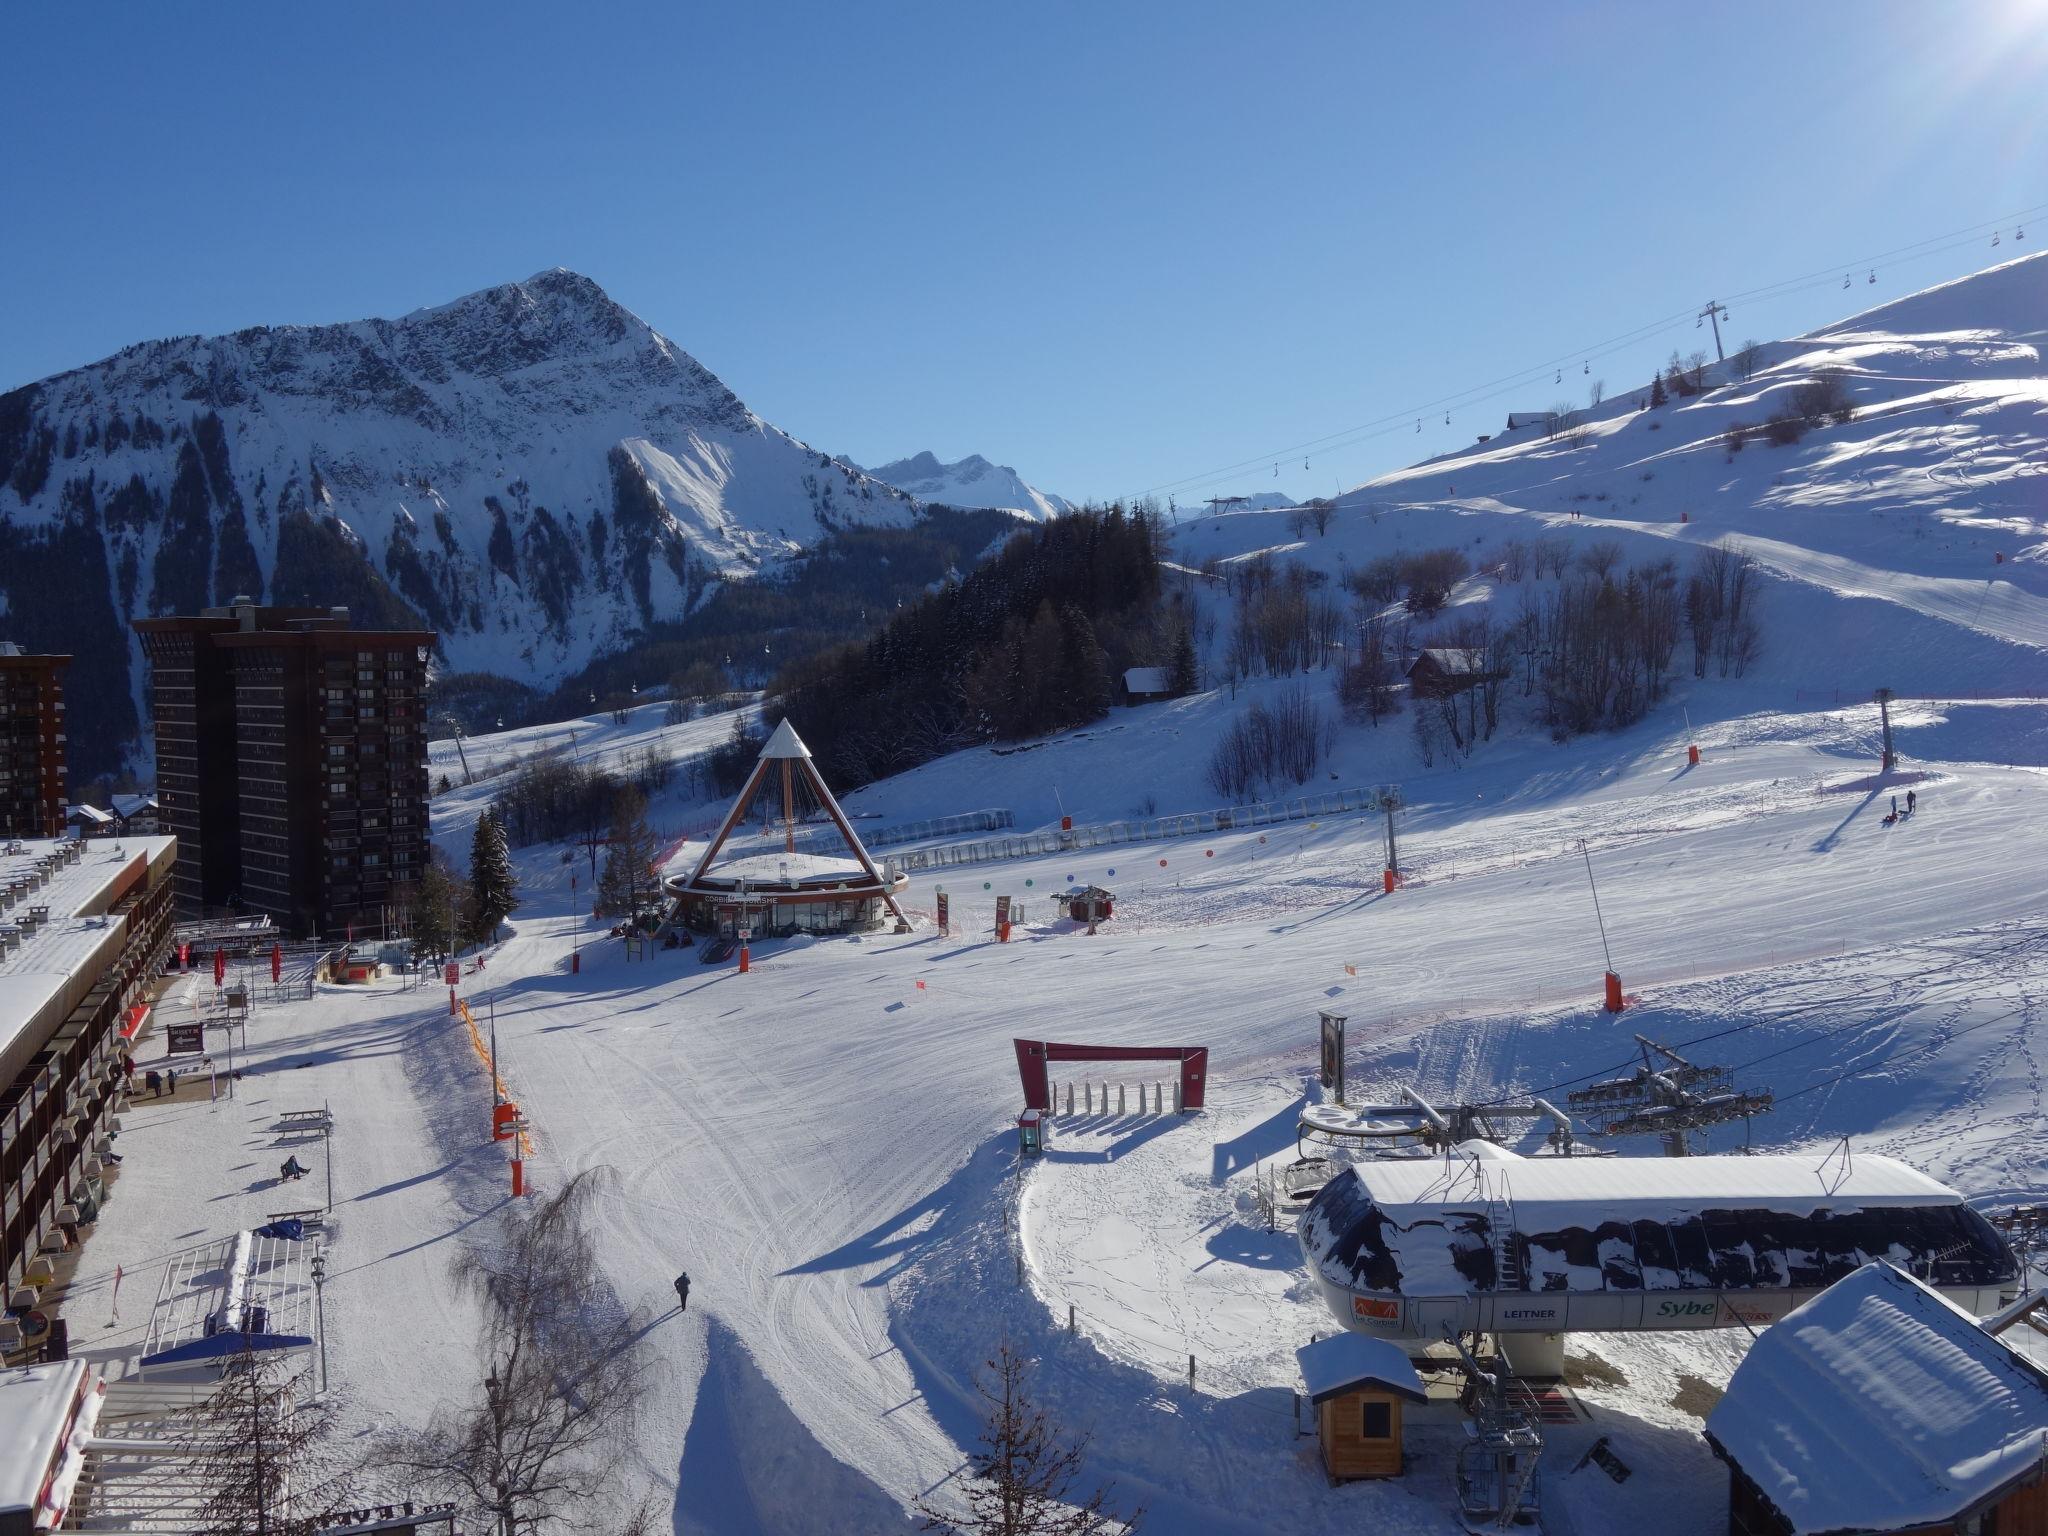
[1033, 1056]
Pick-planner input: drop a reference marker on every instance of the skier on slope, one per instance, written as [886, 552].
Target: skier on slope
[683, 1292]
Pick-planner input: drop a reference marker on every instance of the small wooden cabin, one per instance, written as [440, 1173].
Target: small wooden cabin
[1882, 1407]
[1142, 685]
[1444, 670]
[1359, 1386]
[1090, 904]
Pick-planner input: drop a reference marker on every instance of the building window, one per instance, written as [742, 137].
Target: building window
[1376, 1421]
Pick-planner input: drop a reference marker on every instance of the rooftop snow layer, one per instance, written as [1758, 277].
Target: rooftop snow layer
[75, 935]
[35, 1410]
[1345, 1362]
[1881, 1405]
[1550, 1194]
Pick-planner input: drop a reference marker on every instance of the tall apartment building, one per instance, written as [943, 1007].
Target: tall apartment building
[291, 762]
[31, 743]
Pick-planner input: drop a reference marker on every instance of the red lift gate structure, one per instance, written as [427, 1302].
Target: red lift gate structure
[1034, 1055]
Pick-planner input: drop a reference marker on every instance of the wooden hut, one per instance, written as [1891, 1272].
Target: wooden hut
[1142, 685]
[1089, 904]
[1444, 670]
[1882, 1407]
[1359, 1386]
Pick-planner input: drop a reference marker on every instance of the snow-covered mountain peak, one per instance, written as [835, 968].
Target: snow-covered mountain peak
[969, 482]
[531, 470]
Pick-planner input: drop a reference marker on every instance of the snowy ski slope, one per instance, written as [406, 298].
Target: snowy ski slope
[825, 1143]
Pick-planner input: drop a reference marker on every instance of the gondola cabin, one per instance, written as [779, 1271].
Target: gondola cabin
[1358, 1387]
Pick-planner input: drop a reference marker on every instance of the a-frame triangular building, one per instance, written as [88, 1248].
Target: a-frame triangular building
[785, 888]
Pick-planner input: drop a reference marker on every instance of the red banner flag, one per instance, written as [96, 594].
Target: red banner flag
[220, 966]
[276, 964]
[184, 957]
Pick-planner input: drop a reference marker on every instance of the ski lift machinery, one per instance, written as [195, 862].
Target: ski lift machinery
[1667, 1096]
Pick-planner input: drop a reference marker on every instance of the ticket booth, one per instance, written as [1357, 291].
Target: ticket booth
[1358, 1386]
[1031, 1134]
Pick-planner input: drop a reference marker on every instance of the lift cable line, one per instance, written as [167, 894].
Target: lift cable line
[1917, 250]
[1793, 1015]
[1788, 1016]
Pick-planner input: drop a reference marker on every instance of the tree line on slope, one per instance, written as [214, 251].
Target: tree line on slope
[1027, 643]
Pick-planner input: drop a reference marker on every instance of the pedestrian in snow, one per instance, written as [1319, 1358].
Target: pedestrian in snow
[1912, 801]
[171, 1082]
[683, 1292]
[153, 1081]
[1895, 806]
[128, 1069]
[289, 1170]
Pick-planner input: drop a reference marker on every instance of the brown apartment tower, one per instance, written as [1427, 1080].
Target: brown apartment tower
[31, 743]
[291, 760]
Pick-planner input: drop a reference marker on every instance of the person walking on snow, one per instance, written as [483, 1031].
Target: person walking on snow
[1912, 801]
[683, 1292]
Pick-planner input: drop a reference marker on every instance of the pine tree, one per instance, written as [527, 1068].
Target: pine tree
[493, 888]
[1657, 395]
[629, 859]
[1185, 674]
[434, 912]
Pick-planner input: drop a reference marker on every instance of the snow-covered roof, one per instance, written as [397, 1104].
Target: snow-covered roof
[1344, 1362]
[91, 813]
[35, 1413]
[1434, 1226]
[1881, 1406]
[76, 938]
[785, 743]
[132, 805]
[1552, 1193]
[1452, 658]
[1147, 680]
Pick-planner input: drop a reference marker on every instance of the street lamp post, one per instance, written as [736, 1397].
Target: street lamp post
[320, 1309]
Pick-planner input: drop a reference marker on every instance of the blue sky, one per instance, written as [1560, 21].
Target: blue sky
[1114, 245]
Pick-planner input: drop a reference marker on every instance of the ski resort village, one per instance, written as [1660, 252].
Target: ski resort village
[573, 962]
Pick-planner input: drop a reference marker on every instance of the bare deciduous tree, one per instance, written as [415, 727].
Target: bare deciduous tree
[565, 1373]
[1022, 1480]
[1748, 358]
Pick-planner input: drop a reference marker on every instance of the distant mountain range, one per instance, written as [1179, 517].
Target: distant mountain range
[969, 482]
[532, 471]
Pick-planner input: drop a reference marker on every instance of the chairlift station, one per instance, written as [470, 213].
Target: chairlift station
[1432, 1247]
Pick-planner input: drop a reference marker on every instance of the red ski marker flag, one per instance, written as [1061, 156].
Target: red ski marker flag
[1350, 970]
[920, 986]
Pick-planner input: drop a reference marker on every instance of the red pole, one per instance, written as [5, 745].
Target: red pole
[743, 959]
[1614, 1002]
[518, 1176]
[453, 1010]
[1387, 881]
[220, 966]
[276, 964]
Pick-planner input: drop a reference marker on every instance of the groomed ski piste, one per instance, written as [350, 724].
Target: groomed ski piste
[826, 1143]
